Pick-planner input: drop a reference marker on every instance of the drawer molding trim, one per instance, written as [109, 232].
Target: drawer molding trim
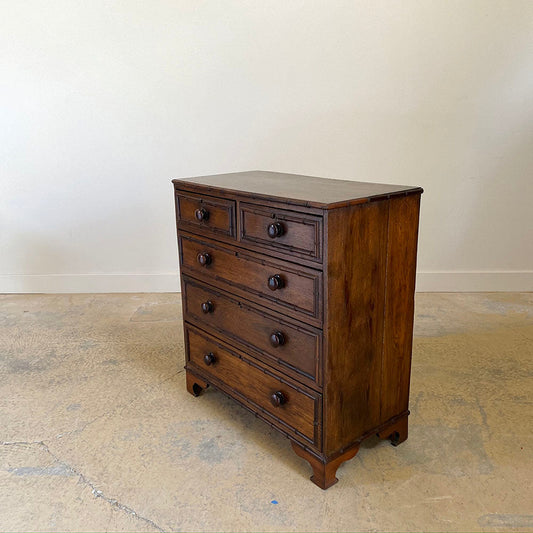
[299, 221]
[300, 336]
[273, 299]
[256, 409]
[211, 378]
[201, 201]
[298, 304]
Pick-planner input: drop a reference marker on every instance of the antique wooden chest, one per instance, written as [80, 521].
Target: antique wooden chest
[298, 301]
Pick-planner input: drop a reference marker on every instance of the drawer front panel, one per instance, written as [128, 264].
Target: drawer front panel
[295, 289]
[298, 409]
[278, 341]
[286, 231]
[205, 214]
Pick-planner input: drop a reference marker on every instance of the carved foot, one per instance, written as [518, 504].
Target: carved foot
[396, 432]
[195, 385]
[324, 472]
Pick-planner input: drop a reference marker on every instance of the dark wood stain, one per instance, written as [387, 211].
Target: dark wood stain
[249, 273]
[298, 303]
[250, 327]
[399, 305]
[233, 371]
[293, 188]
[357, 243]
[299, 235]
[219, 214]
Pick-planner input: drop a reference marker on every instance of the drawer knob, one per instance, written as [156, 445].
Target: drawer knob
[277, 339]
[207, 307]
[275, 229]
[278, 398]
[201, 214]
[204, 259]
[210, 359]
[275, 282]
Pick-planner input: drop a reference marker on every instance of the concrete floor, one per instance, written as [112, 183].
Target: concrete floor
[99, 433]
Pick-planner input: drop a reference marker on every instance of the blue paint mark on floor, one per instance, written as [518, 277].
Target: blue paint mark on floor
[275, 502]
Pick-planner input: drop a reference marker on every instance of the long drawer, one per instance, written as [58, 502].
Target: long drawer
[294, 348]
[280, 285]
[290, 406]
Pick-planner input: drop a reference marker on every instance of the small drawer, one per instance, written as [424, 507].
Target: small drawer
[294, 348]
[294, 233]
[279, 285]
[290, 406]
[205, 214]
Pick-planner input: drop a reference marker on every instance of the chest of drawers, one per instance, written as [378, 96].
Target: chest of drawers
[298, 302]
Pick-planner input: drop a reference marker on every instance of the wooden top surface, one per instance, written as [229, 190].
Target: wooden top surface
[294, 188]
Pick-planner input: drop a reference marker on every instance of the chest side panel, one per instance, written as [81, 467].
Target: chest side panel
[353, 330]
[399, 305]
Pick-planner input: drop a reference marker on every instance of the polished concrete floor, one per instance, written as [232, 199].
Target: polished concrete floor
[99, 434]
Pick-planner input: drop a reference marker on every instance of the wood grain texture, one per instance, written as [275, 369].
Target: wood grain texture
[325, 357]
[301, 234]
[234, 373]
[293, 188]
[399, 305]
[250, 328]
[355, 287]
[247, 274]
[220, 214]
[324, 470]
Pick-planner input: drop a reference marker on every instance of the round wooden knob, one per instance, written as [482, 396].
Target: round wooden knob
[201, 214]
[207, 307]
[210, 359]
[204, 259]
[275, 282]
[275, 229]
[277, 339]
[278, 398]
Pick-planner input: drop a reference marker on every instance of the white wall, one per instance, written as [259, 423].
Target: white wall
[102, 103]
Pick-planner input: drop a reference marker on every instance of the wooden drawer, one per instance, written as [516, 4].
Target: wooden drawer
[286, 231]
[298, 408]
[205, 214]
[292, 347]
[299, 289]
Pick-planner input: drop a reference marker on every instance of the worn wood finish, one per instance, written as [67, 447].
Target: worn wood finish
[247, 274]
[303, 312]
[296, 406]
[324, 467]
[200, 228]
[195, 385]
[217, 214]
[396, 432]
[354, 321]
[299, 351]
[294, 189]
[294, 233]
[399, 305]
[324, 470]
